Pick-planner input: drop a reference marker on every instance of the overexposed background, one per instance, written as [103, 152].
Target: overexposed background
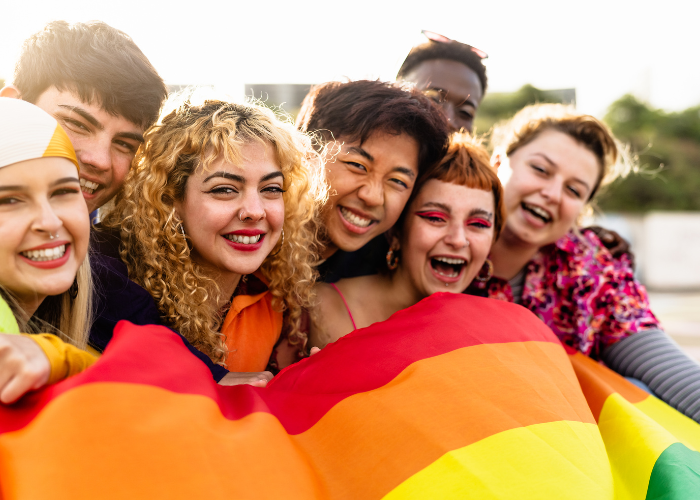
[602, 48]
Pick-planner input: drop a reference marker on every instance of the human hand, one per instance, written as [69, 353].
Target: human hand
[23, 367]
[256, 379]
[616, 244]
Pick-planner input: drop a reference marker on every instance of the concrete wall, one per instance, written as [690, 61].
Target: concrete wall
[666, 247]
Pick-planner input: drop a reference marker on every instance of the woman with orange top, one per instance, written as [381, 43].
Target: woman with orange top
[215, 222]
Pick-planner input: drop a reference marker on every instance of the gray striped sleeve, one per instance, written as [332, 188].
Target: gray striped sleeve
[654, 358]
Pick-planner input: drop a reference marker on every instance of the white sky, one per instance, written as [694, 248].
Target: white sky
[602, 48]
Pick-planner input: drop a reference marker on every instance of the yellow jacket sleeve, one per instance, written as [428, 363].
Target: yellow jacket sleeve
[65, 359]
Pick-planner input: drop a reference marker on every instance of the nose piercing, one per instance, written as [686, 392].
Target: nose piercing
[447, 284]
[52, 237]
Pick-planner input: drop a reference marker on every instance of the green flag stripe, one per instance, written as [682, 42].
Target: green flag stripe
[676, 474]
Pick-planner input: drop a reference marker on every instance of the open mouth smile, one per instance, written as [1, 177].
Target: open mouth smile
[45, 254]
[447, 268]
[537, 212]
[354, 221]
[89, 187]
[47, 258]
[246, 240]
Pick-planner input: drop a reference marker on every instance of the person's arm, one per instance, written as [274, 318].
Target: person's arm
[65, 359]
[654, 358]
[29, 362]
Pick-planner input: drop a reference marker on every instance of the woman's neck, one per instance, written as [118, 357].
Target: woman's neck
[510, 254]
[30, 305]
[401, 292]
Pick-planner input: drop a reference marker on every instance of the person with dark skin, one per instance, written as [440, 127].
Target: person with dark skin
[453, 75]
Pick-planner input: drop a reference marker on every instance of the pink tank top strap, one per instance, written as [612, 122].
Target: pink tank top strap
[346, 305]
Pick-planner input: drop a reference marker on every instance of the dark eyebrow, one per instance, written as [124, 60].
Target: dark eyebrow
[445, 93]
[439, 205]
[406, 171]
[481, 211]
[131, 135]
[85, 114]
[358, 150]
[226, 175]
[54, 183]
[549, 160]
[64, 180]
[271, 175]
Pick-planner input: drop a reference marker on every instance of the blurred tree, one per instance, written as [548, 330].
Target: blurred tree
[668, 147]
[498, 106]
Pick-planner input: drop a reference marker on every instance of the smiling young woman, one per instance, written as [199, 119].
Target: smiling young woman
[217, 221]
[553, 161]
[377, 139]
[439, 244]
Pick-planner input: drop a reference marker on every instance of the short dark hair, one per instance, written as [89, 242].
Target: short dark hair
[453, 51]
[99, 63]
[355, 110]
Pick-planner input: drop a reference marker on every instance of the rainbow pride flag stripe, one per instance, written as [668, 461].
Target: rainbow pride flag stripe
[456, 397]
[652, 448]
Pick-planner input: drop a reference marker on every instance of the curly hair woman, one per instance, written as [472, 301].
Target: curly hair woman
[216, 220]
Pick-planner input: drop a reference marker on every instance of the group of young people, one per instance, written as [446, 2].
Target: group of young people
[260, 241]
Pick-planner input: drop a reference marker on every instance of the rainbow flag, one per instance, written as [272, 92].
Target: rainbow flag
[456, 397]
[652, 448]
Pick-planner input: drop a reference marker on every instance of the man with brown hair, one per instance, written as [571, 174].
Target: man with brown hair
[102, 90]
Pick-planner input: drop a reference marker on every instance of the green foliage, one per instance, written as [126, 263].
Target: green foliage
[498, 106]
[668, 148]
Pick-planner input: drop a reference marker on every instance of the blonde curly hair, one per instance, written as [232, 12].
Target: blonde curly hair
[156, 251]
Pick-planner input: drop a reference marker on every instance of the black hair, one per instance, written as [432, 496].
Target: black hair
[453, 51]
[99, 63]
[354, 110]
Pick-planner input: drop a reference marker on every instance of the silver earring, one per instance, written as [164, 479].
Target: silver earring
[182, 228]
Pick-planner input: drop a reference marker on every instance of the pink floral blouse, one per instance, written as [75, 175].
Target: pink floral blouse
[588, 298]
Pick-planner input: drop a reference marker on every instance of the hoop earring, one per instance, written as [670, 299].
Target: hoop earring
[392, 259]
[280, 248]
[485, 272]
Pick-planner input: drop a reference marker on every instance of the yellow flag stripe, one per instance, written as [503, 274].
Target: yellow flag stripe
[562, 459]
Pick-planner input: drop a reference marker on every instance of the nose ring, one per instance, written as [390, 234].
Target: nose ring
[240, 216]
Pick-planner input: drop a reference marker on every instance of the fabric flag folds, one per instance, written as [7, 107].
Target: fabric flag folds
[456, 397]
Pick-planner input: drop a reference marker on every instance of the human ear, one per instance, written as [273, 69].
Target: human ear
[10, 91]
[496, 160]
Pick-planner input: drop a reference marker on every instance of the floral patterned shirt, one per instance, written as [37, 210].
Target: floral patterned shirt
[588, 298]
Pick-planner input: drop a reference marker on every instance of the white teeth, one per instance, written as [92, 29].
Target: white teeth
[354, 219]
[88, 186]
[246, 240]
[453, 274]
[540, 212]
[448, 260]
[45, 254]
